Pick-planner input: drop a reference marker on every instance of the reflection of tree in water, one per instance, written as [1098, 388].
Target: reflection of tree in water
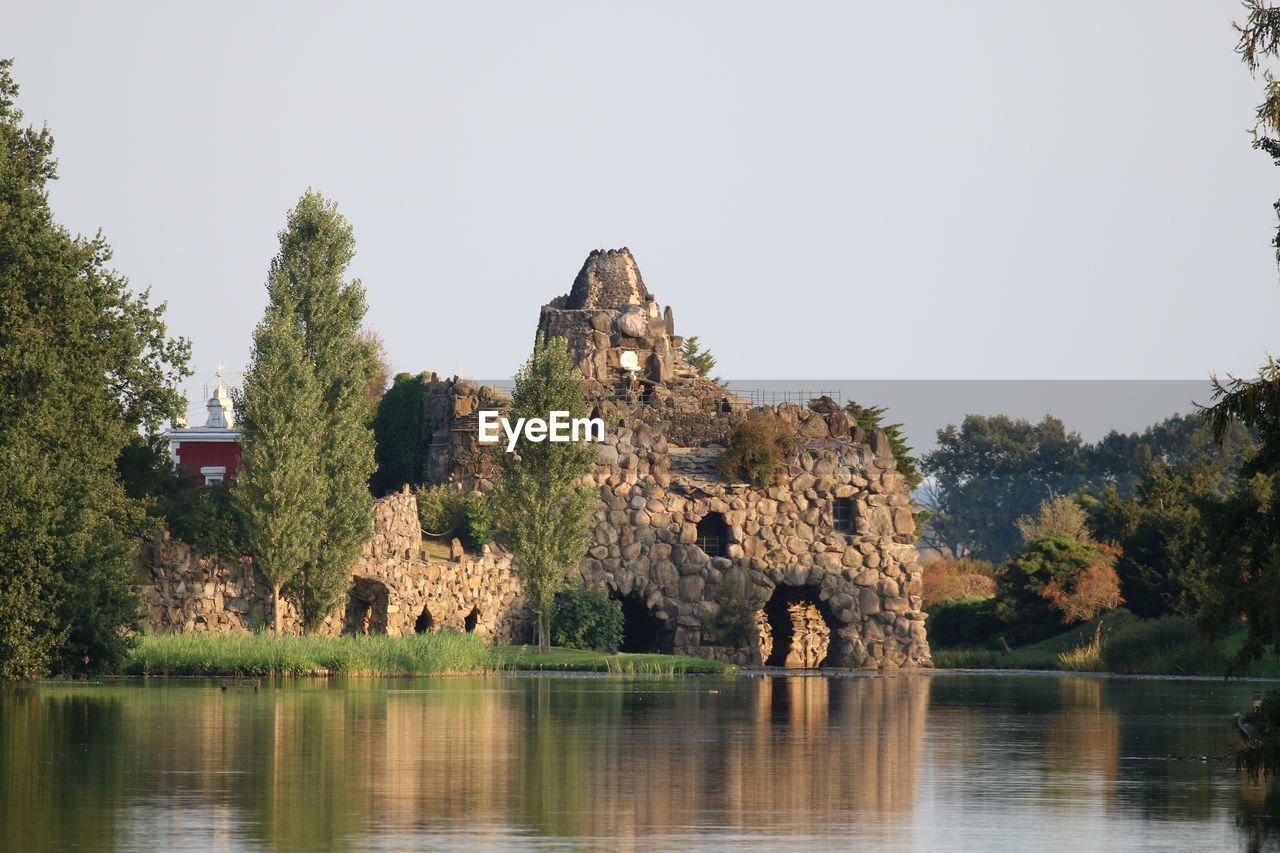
[41, 806]
[1257, 813]
[326, 764]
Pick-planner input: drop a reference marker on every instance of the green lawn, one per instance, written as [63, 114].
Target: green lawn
[1128, 646]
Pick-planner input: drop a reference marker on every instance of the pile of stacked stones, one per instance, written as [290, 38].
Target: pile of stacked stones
[865, 581]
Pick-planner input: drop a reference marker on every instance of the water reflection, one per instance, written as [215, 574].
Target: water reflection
[903, 762]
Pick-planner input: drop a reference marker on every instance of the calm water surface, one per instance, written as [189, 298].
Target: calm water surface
[983, 762]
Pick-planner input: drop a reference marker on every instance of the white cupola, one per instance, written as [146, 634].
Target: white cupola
[222, 414]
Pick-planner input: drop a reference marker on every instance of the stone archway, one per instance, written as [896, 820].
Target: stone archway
[797, 632]
[366, 611]
[425, 621]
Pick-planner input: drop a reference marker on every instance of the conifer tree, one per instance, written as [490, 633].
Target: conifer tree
[85, 365]
[540, 504]
[278, 489]
[306, 278]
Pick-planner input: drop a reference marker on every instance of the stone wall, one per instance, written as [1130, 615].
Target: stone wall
[396, 588]
[781, 540]
[786, 553]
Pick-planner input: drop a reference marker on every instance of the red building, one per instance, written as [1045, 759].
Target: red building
[213, 450]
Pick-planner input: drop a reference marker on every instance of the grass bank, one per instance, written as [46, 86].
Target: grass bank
[1118, 642]
[443, 653]
[526, 658]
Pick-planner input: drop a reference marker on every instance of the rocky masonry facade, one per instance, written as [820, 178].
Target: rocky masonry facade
[821, 565]
[395, 590]
[818, 568]
[835, 537]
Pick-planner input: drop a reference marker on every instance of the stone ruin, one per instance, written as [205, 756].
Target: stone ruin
[821, 566]
[397, 587]
[817, 569]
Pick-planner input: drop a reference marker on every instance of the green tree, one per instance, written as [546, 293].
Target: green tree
[1180, 441]
[1052, 582]
[85, 366]
[397, 431]
[991, 471]
[1059, 516]
[306, 282]
[870, 418]
[278, 489]
[1163, 532]
[540, 503]
[699, 359]
[1246, 547]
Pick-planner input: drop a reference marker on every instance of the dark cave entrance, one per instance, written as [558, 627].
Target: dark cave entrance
[425, 622]
[473, 619]
[641, 631]
[800, 630]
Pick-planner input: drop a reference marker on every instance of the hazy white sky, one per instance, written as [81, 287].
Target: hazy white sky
[847, 189]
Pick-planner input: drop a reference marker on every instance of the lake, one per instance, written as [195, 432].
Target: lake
[900, 762]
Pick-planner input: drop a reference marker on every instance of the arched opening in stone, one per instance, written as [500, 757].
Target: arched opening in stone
[425, 622]
[366, 611]
[641, 630]
[713, 534]
[799, 629]
[473, 619]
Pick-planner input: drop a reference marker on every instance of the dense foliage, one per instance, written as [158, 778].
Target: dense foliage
[315, 436]
[990, 471]
[85, 365]
[586, 618]
[947, 580]
[446, 512]
[1054, 582]
[540, 503]
[1164, 532]
[758, 450]
[202, 516]
[397, 432]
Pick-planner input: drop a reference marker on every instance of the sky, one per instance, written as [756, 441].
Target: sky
[862, 190]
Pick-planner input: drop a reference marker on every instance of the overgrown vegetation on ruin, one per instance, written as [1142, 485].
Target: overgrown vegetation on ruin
[446, 512]
[758, 450]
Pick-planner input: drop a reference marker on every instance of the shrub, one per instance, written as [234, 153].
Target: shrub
[758, 450]
[1052, 582]
[967, 622]
[477, 519]
[202, 516]
[949, 580]
[447, 512]
[1161, 646]
[584, 617]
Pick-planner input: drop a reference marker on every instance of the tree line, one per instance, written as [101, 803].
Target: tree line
[89, 374]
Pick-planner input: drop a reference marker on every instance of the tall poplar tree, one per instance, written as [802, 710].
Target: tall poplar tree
[540, 504]
[307, 280]
[278, 489]
[85, 365]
